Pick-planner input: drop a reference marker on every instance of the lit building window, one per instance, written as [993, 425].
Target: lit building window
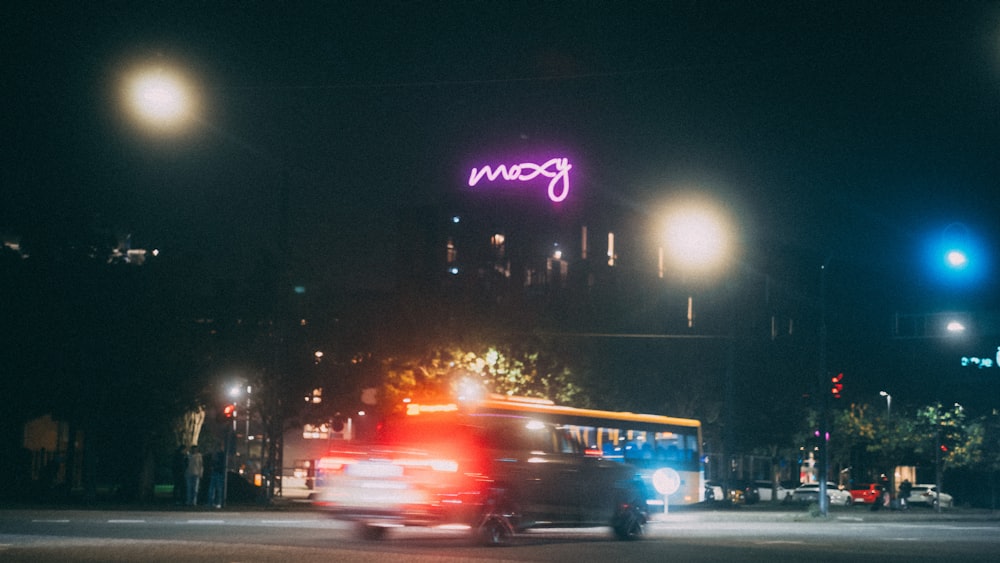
[557, 268]
[498, 242]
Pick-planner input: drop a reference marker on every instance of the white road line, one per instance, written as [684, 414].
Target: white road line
[59, 521]
[123, 521]
[205, 522]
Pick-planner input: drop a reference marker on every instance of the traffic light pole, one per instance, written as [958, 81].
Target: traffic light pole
[824, 432]
[230, 438]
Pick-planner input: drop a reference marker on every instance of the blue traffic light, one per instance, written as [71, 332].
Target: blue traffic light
[956, 258]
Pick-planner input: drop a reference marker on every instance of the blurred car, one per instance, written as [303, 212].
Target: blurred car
[868, 493]
[927, 495]
[743, 492]
[767, 492]
[810, 493]
[448, 468]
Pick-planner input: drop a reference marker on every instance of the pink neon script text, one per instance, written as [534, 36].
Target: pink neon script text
[557, 169]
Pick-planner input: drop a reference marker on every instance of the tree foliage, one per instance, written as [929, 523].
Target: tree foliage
[923, 436]
[450, 372]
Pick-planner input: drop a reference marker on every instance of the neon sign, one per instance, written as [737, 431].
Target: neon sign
[981, 363]
[557, 169]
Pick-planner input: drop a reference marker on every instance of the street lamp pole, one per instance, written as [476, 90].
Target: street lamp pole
[697, 238]
[888, 424]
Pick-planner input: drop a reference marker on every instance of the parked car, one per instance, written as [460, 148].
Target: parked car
[927, 495]
[810, 493]
[767, 492]
[867, 494]
[713, 492]
[740, 492]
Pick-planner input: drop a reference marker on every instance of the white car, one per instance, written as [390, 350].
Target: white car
[810, 493]
[713, 492]
[764, 488]
[927, 495]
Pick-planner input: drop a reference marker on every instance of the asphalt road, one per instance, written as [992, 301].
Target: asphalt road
[305, 536]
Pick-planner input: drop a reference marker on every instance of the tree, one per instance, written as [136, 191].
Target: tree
[943, 434]
[449, 372]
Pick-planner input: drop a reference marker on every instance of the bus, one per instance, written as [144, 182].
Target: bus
[666, 450]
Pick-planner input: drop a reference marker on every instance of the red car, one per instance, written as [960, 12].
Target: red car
[867, 494]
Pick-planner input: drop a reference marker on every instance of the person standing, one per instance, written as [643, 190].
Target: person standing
[904, 494]
[217, 483]
[193, 473]
[178, 466]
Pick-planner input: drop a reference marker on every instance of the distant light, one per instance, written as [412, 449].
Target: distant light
[957, 259]
[456, 219]
[453, 271]
[300, 289]
[955, 326]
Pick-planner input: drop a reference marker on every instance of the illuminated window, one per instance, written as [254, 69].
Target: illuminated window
[498, 242]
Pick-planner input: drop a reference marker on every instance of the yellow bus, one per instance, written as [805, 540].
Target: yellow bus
[666, 450]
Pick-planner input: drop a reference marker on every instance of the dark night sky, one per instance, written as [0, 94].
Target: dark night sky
[848, 128]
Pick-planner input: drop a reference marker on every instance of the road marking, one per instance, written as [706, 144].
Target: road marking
[124, 521]
[59, 521]
[205, 522]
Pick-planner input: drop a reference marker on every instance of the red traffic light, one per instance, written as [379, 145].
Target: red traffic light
[229, 411]
[838, 385]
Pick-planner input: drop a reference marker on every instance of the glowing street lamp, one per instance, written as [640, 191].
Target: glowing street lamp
[888, 402]
[696, 238]
[956, 259]
[160, 98]
[955, 327]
